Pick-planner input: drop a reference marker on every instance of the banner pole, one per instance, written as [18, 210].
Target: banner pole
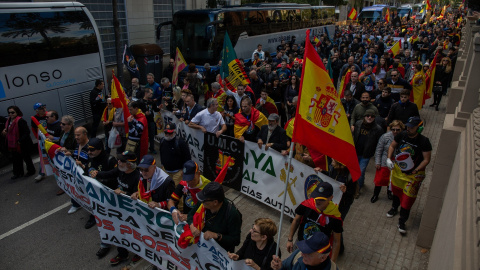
[290, 154]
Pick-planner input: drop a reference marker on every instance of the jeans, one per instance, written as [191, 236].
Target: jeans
[404, 213]
[363, 162]
[424, 58]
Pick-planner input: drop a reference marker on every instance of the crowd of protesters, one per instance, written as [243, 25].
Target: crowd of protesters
[376, 88]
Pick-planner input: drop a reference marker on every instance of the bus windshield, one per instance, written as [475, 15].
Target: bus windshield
[402, 12]
[373, 15]
[417, 9]
[40, 36]
[190, 36]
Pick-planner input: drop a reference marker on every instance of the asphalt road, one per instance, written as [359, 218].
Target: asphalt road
[37, 233]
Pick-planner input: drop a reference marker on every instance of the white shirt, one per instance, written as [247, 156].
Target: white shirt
[212, 122]
[261, 55]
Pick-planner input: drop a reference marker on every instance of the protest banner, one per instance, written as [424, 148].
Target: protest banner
[216, 152]
[47, 169]
[265, 173]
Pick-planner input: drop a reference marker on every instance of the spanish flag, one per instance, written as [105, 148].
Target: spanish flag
[317, 41]
[39, 126]
[418, 86]
[289, 127]
[242, 124]
[119, 100]
[429, 77]
[180, 64]
[321, 123]
[406, 186]
[352, 15]
[186, 238]
[429, 7]
[387, 16]
[269, 105]
[395, 49]
[51, 148]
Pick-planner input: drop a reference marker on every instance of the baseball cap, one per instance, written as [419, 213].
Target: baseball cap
[318, 242]
[413, 121]
[147, 161]
[369, 112]
[213, 191]
[38, 106]
[273, 117]
[95, 143]
[189, 170]
[323, 190]
[127, 156]
[170, 127]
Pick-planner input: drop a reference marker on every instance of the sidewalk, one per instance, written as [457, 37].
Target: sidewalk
[372, 240]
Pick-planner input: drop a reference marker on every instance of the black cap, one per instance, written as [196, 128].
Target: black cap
[212, 191]
[413, 121]
[323, 190]
[170, 127]
[147, 161]
[189, 170]
[127, 156]
[95, 143]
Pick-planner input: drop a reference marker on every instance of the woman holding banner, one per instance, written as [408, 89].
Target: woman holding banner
[259, 246]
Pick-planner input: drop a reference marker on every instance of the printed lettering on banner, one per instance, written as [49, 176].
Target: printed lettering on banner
[265, 175]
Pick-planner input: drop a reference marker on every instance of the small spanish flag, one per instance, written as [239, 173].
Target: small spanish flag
[395, 49]
[317, 41]
[387, 16]
[352, 14]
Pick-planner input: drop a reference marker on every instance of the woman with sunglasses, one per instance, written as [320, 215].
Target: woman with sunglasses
[19, 143]
[382, 175]
[259, 246]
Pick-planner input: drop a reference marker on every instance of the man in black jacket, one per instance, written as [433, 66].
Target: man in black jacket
[149, 107]
[174, 152]
[272, 135]
[97, 104]
[365, 136]
[397, 84]
[99, 160]
[53, 126]
[403, 109]
[355, 86]
[192, 109]
[349, 103]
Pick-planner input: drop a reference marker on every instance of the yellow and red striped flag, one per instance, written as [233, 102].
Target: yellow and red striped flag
[39, 126]
[119, 100]
[395, 49]
[429, 77]
[180, 64]
[321, 122]
[317, 41]
[352, 15]
[387, 16]
[429, 7]
[51, 148]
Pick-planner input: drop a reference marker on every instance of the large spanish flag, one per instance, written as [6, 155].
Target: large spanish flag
[321, 123]
[430, 77]
[352, 15]
[395, 49]
[418, 85]
[119, 100]
[180, 64]
[429, 7]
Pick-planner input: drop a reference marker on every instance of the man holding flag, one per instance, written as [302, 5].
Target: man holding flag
[408, 156]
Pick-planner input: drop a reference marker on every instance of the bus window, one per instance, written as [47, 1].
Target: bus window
[33, 37]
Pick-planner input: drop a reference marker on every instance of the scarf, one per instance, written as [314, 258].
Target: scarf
[13, 134]
[108, 114]
[242, 123]
[157, 180]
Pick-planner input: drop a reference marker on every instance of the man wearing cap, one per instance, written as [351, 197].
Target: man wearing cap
[411, 152]
[272, 135]
[127, 177]
[193, 182]
[318, 213]
[98, 160]
[41, 117]
[174, 152]
[312, 253]
[209, 120]
[360, 109]
[221, 219]
[155, 186]
[365, 137]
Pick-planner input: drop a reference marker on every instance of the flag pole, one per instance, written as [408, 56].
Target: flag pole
[290, 154]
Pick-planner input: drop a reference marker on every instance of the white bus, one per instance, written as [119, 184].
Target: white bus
[49, 53]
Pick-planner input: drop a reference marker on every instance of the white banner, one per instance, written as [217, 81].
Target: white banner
[265, 174]
[150, 233]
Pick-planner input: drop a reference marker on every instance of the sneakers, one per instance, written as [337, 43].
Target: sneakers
[402, 229]
[392, 212]
[118, 259]
[90, 223]
[39, 178]
[73, 209]
[136, 258]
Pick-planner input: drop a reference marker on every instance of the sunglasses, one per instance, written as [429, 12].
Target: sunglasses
[396, 129]
[11, 112]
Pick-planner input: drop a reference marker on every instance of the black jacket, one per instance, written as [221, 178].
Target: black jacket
[190, 115]
[24, 139]
[383, 105]
[102, 162]
[174, 153]
[70, 142]
[371, 144]
[96, 103]
[402, 111]
[278, 137]
[359, 89]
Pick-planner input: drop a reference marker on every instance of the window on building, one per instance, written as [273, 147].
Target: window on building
[162, 12]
